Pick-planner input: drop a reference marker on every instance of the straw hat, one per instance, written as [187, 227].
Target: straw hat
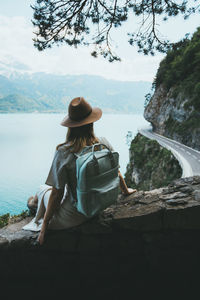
[81, 113]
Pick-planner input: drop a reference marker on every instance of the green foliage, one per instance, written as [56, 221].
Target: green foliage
[147, 99]
[181, 69]
[183, 128]
[4, 220]
[155, 165]
[8, 219]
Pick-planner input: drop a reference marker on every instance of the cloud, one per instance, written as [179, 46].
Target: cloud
[15, 35]
[17, 46]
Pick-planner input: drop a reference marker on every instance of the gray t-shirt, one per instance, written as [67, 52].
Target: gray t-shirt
[63, 169]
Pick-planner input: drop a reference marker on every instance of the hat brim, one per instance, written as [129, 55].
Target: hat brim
[94, 116]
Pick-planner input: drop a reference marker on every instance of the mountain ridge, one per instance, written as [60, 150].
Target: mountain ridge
[52, 92]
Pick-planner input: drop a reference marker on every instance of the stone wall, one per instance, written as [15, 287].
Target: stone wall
[147, 242]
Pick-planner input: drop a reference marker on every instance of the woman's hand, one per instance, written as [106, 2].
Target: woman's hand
[130, 191]
[41, 237]
[125, 190]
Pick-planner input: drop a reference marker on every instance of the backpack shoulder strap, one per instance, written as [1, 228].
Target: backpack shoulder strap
[83, 151]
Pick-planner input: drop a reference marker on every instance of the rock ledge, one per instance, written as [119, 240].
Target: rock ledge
[154, 232]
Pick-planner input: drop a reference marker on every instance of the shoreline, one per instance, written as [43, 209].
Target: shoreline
[64, 112]
[7, 218]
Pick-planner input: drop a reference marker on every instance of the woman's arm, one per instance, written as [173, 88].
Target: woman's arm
[125, 190]
[53, 204]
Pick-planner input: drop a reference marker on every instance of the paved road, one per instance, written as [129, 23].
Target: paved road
[188, 158]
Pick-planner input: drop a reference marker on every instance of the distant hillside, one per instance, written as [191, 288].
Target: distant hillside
[20, 103]
[41, 92]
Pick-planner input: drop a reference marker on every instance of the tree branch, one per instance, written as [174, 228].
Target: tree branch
[67, 21]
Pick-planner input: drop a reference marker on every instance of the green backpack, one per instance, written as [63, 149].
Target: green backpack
[97, 179]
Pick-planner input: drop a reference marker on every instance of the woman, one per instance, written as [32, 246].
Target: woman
[55, 204]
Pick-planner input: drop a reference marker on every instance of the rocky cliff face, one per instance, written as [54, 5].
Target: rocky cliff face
[146, 242]
[171, 116]
[150, 165]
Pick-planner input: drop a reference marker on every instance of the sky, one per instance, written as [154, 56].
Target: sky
[16, 33]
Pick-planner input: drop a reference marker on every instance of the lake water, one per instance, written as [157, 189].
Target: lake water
[27, 146]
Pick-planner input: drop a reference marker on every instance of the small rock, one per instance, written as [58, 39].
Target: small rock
[148, 199]
[186, 189]
[155, 191]
[196, 195]
[188, 179]
[196, 180]
[173, 196]
[178, 183]
[169, 190]
[176, 201]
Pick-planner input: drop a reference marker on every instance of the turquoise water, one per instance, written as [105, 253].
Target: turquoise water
[27, 146]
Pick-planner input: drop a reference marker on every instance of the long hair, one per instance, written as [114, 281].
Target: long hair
[79, 137]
